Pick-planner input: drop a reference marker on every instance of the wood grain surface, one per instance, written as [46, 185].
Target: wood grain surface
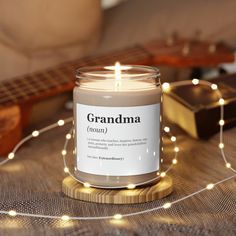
[76, 190]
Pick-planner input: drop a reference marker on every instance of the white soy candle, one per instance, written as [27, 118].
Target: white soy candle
[117, 112]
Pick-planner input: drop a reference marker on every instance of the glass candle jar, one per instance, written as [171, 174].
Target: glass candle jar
[117, 114]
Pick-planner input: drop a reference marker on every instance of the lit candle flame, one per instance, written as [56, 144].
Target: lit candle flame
[117, 68]
[117, 71]
[117, 75]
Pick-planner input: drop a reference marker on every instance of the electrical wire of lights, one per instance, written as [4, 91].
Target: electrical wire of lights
[166, 87]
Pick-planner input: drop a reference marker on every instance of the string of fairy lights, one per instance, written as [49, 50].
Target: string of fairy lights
[166, 88]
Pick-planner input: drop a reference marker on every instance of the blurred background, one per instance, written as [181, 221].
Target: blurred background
[43, 42]
[39, 34]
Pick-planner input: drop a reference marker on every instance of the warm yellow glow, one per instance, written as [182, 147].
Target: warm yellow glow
[63, 152]
[195, 81]
[167, 205]
[131, 186]
[65, 217]
[212, 48]
[210, 186]
[35, 133]
[174, 161]
[87, 185]
[173, 138]
[117, 71]
[12, 223]
[165, 87]
[12, 213]
[66, 169]
[221, 122]
[167, 129]
[117, 216]
[221, 101]
[221, 145]
[122, 67]
[186, 49]
[121, 222]
[214, 87]
[64, 224]
[61, 122]
[13, 168]
[11, 155]
[68, 136]
[163, 174]
[176, 149]
[228, 165]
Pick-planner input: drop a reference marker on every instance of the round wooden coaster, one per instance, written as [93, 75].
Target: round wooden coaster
[76, 190]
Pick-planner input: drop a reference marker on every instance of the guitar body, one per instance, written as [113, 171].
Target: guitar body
[10, 128]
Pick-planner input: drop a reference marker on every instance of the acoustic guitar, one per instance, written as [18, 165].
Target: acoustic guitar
[18, 95]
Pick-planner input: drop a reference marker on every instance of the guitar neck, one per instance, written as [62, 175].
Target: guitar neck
[40, 85]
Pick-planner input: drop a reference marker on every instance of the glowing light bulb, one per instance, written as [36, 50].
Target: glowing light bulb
[176, 149]
[228, 165]
[221, 145]
[174, 161]
[61, 122]
[12, 213]
[195, 81]
[210, 186]
[221, 122]
[117, 216]
[63, 152]
[87, 185]
[221, 101]
[131, 186]
[167, 205]
[163, 174]
[214, 87]
[167, 129]
[66, 170]
[11, 155]
[68, 136]
[117, 75]
[166, 87]
[35, 133]
[173, 138]
[65, 217]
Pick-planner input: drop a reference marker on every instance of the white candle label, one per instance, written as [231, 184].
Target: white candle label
[118, 141]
